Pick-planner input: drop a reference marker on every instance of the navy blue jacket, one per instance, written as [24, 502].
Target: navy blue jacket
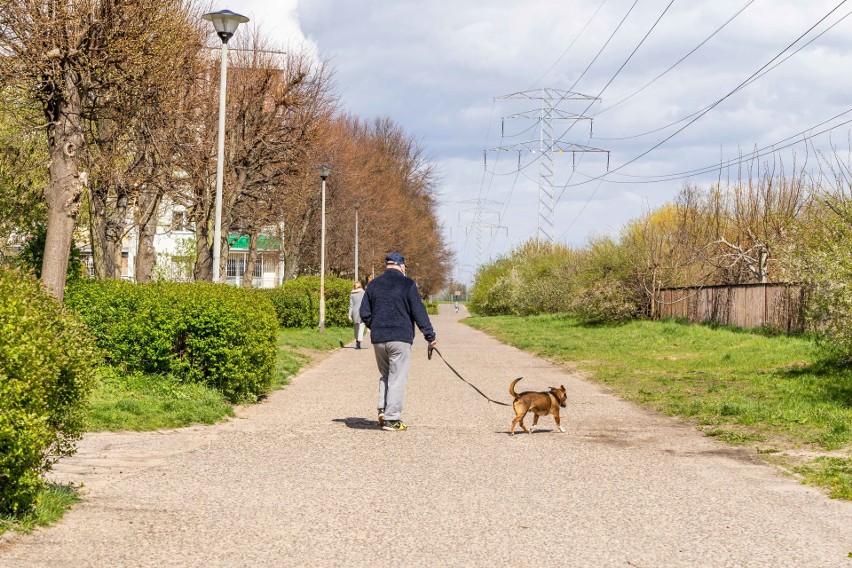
[392, 306]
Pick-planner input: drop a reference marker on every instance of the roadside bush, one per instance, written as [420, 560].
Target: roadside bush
[490, 294]
[218, 335]
[296, 301]
[47, 366]
[536, 278]
[823, 262]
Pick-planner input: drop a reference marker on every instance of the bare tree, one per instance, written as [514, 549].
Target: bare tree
[274, 103]
[70, 56]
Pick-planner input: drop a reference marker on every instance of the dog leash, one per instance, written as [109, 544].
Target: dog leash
[485, 396]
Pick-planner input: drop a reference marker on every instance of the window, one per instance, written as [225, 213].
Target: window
[236, 267]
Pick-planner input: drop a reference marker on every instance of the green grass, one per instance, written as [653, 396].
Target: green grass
[832, 473]
[51, 503]
[153, 402]
[744, 388]
[299, 346]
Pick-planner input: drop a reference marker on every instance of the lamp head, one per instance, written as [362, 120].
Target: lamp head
[225, 22]
[324, 171]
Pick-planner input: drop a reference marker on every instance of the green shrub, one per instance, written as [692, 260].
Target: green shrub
[32, 256]
[47, 362]
[431, 308]
[218, 335]
[296, 301]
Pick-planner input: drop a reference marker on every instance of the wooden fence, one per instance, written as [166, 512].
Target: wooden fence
[744, 305]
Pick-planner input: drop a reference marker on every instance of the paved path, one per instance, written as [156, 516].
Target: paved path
[306, 479]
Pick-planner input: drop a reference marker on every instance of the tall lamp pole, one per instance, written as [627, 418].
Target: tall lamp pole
[226, 23]
[324, 171]
[357, 207]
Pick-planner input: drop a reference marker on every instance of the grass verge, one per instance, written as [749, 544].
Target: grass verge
[51, 503]
[142, 402]
[772, 393]
[298, 347]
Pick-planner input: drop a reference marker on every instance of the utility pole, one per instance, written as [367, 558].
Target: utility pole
[546, 146]
[479, 223]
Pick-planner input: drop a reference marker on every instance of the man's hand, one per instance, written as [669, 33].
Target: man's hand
[433, 344]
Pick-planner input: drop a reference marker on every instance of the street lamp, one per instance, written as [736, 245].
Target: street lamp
[226, 23]
[357, 207]
[324, 171]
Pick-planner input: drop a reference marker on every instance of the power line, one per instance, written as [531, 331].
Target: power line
[626, 61]
[564, 53]
[612, 35]
[714, 105]
[760, 73]
[625, 98]
[759, 153]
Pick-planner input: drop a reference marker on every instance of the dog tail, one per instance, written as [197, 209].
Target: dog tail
[512, 388]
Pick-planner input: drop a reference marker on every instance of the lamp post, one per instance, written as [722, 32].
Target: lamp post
[226, 23]
[324, 171]
[357, 207]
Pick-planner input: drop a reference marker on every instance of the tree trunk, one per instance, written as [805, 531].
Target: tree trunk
[116, 229]
[248, 276]
[204, 261]
[98, 230]
[63, 191]
[147, 209]
[108, 227]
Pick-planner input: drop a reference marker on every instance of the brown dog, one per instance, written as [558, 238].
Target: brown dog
[539, 403]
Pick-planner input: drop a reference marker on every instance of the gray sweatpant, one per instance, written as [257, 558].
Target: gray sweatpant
[394, 361]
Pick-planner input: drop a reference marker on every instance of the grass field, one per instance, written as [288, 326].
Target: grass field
[773, 393]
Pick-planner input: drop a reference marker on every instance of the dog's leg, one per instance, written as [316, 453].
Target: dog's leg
[521, 422]
[535, 423]
[515, 420]
[558, 425]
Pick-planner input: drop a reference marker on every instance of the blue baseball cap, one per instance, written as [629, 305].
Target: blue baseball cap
[394, 258]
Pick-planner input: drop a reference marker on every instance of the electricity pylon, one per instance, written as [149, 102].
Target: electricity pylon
[546, 146]
[479, 223]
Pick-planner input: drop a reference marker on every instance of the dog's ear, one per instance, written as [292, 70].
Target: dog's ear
[562, 387]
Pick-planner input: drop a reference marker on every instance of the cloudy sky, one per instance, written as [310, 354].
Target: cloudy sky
[436, 67]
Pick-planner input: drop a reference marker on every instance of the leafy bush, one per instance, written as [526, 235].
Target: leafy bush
[431, 308]
[540, 278]
[296, 301]
[218, 335]
[47, 362]
[823, 261]
[490, 294]
[536, 278]
[31, 257]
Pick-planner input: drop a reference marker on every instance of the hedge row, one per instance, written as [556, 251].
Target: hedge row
[297, 301]
[47, 362]
[198, 332]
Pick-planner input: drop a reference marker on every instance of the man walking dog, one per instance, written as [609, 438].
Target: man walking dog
[390, 308]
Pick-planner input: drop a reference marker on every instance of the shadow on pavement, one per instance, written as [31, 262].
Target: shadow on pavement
[358, 423]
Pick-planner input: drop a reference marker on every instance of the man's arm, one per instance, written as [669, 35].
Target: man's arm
[366, 311]
[421, 318]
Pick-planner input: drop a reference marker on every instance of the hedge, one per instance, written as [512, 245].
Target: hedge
[47, 366]
[297, 301]
[196, 331]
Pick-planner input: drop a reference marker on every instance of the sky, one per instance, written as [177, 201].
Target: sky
[436, 68]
